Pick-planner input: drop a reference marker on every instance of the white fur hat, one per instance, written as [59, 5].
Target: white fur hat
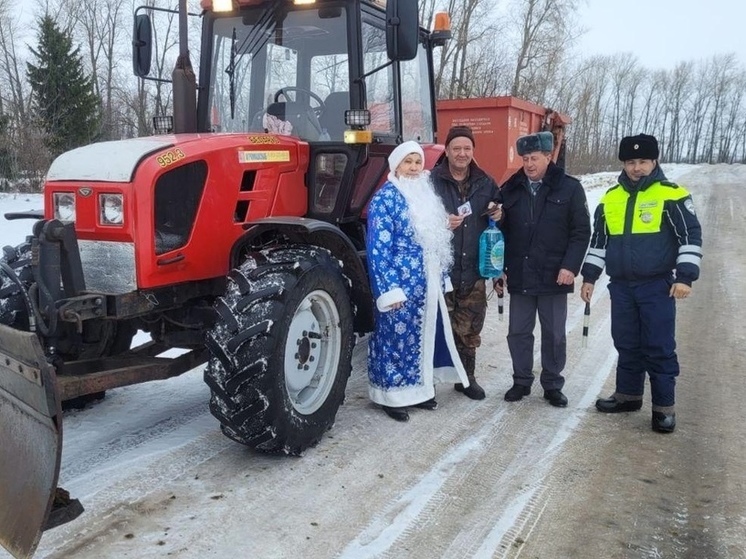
[401, 151]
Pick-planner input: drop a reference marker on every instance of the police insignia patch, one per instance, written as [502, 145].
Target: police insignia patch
[689, 205]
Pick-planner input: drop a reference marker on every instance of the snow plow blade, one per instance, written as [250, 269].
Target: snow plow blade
[30, 441]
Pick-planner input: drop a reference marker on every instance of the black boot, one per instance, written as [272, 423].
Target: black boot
[612, 405]
[473, 391]
[517, 392]
[556, 398]
[430, 404]
[664, 422]
[399, 414]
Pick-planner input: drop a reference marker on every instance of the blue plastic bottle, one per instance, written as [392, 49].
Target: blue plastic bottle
[491, 252]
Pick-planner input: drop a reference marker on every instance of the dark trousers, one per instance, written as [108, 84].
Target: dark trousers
[643, 326]
[552, 311]
[467, 310]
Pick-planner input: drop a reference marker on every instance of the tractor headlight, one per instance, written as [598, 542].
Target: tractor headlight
[357, 117]
[112, 209]
[64, 206]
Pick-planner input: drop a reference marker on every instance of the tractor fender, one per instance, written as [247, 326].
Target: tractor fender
[317, 233]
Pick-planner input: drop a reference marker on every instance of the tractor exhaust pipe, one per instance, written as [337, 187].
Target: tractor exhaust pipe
[184, 80]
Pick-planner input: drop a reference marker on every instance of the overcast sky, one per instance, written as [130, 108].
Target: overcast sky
[660, 32]
[664, 32]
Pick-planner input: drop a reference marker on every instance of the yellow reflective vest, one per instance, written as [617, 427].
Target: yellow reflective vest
[645, 234]
[645, 215]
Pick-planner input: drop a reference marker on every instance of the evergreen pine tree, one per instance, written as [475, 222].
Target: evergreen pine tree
[6, 157]
[63, 99]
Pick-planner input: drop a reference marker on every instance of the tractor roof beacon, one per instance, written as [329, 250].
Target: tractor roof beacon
[236, 234]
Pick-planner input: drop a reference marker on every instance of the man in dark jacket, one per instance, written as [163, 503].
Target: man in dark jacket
[647, 236]
[468, 193]
[547, 229]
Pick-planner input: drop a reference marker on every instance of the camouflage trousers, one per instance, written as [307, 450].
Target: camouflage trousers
[467, 310]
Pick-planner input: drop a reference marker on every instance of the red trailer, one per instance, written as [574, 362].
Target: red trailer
[497, 123]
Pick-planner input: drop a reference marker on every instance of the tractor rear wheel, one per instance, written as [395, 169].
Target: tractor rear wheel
[281, 351]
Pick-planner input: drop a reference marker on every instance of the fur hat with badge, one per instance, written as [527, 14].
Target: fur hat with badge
[642, 146]
[541, 141]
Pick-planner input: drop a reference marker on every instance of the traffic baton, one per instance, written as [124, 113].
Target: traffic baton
[586, 321]
[500, 297]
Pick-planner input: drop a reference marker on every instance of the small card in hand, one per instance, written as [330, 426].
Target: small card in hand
[464, 209]
[491, 207]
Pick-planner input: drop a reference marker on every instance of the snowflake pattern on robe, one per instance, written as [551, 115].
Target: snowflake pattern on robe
[395, 349]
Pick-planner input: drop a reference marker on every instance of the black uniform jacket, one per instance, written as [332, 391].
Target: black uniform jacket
[482, 190]
[543, 233]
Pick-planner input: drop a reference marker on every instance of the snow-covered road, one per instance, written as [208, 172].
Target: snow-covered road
[471, 479]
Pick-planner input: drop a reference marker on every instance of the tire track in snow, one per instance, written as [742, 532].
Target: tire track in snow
[384, 531]
[111, 450]
[391, 531]
[143, 478]
[529, 504]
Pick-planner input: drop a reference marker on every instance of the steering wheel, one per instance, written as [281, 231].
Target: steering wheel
[283, 91]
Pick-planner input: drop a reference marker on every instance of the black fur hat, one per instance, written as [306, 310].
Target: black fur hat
[541, 141]
[642, 146]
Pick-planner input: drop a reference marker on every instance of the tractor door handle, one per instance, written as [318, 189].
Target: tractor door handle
[170, 260]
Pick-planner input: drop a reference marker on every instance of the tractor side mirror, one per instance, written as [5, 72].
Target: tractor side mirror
[402, 29]
[142, 42]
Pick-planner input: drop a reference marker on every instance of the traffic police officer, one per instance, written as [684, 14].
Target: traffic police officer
[647, 235]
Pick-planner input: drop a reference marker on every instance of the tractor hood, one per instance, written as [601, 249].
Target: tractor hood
[117, 161]
[114, 161]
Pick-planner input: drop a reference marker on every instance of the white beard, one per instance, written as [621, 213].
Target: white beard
[429, 219]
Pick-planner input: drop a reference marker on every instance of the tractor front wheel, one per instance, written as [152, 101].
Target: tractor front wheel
[281, 350]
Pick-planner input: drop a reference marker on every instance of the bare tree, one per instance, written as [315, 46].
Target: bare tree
[488, 67]
[622, 76]
[636, 86]
[427, 12]
[588, 144]
[456, 51]
[99, 23]
[699, 108]
[731, 113]
[677, 96]
[545, 33]
[17, 96]
[724, 77]
[21, 140]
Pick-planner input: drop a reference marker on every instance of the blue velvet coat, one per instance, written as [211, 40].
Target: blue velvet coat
[412, 347]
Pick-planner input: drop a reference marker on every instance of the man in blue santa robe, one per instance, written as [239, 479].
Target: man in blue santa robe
[409, 255]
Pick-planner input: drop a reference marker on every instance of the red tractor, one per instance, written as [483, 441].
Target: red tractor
[237, 236]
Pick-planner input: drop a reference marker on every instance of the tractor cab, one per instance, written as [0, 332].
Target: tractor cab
[298, 69]
[332, 74]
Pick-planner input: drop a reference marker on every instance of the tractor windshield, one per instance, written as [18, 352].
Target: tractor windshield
[381, 87]
[275, 71]
[286, 70]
